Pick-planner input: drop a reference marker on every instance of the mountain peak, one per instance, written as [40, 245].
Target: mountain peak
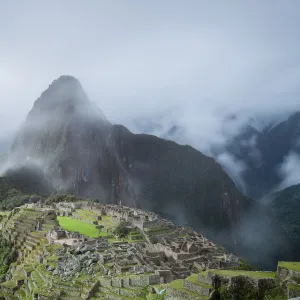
[65, 80]
[65, 91]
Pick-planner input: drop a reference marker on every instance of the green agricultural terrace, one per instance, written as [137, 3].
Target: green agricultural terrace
[292, 265]
[87, 229]
[253, 274]
[38, 268]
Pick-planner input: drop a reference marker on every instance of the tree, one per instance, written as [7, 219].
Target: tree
[99, 227]
[121, 230]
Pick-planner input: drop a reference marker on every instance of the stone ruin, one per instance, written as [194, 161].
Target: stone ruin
[120, 268]
[58, 234]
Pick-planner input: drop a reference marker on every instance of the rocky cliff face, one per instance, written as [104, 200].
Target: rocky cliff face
[79, 151]
[71, 141]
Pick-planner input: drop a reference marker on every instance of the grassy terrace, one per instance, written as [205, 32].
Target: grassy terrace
[9, 284]
[88, 215]
[231, 273]
[295, 287]
[193, 278]
[178, 285]
[87, 229]
[290, 265]
[84, 228]
[90, 230]
[92, 216]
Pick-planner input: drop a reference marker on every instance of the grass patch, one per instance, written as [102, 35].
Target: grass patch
[107, 219]
[253, 274]
[87, 229]
[82, 227]
[295, 287]
[85, 214]
[193, 279]
[9, 284]
[176, 284]
[292, 265]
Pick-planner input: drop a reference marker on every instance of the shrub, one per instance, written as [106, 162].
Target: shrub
[55, 198]
[121, 230]
[244, 265]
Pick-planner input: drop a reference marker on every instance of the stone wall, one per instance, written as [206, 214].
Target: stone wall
[284, 273]
[145, 280]
[176, 294]
[196, 288]
[169, 252]
[135, 280]
[165, 274]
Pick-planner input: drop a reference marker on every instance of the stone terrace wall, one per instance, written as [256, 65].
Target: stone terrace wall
[77, 216]
[135, 280]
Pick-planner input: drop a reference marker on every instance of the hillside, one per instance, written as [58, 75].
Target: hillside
[285, 205]
[189, 187]
[81, 250]
[77, 150]
[263, 152]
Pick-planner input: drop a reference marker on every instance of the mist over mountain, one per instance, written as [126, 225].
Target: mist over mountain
[260, 153]
[68, 139]
[263, 159]
[269, 155]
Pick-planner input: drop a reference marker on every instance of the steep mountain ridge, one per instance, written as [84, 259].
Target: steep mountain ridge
[264, 152]
[70, 139]
[80, 152]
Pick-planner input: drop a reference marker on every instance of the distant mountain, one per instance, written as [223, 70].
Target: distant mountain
[164, 125]
[263, 152]
[78, 151]
[285, 205]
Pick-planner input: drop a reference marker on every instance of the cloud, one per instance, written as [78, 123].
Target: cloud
[289, 171]
[234, 167]
[138, 59]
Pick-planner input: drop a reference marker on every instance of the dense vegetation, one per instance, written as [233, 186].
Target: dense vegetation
[121, 230]
[13, 194]
[29, 179]
[55, 198]
[244, 265]
[286, 206]
[7, 256]
[19, 185]
[9, 196]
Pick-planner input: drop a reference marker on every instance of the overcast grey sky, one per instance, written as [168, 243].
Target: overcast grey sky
[136, 58]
